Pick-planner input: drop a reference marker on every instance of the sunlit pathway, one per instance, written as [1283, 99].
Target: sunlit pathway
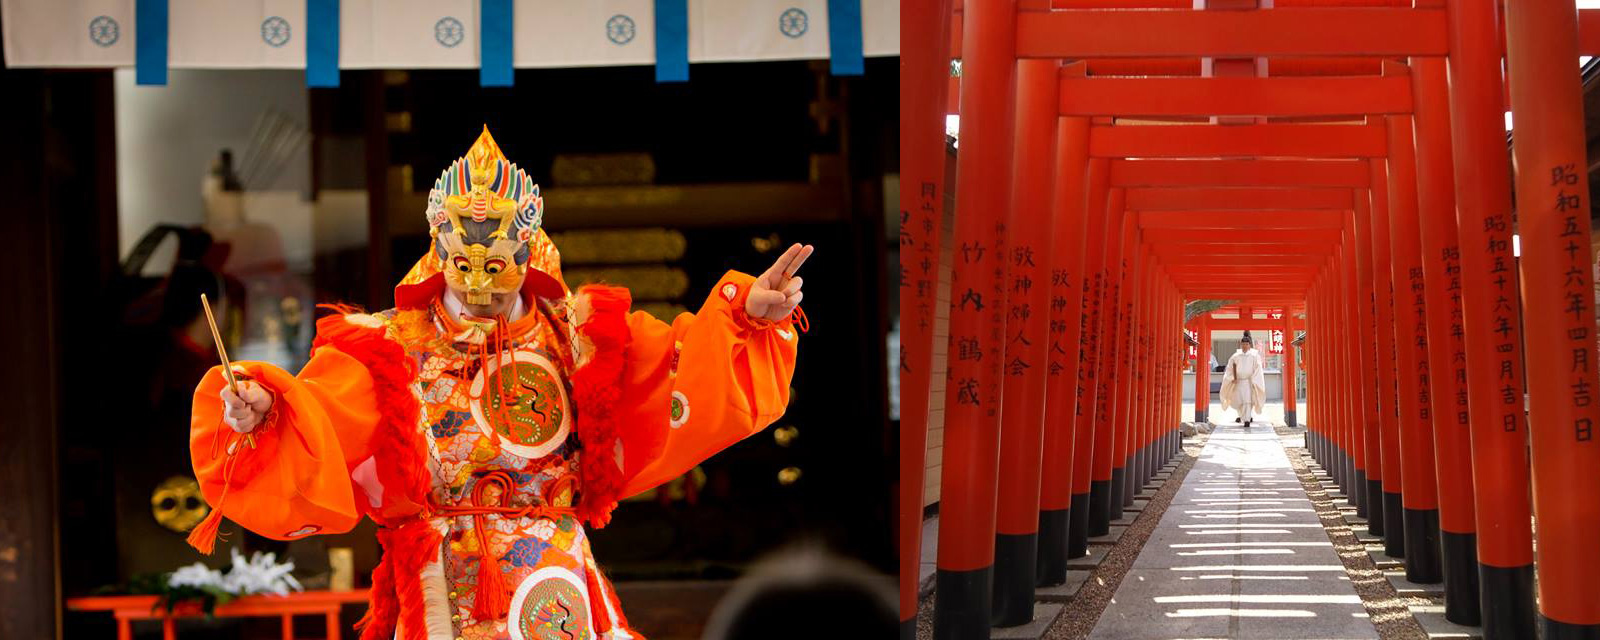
[1239, 554]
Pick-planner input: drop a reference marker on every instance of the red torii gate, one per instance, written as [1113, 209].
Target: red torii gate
[1203, 324]
[1402, 208]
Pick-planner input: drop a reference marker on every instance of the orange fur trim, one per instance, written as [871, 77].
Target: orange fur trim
[400, 451]
[596, 389]
[401, 466]
[406, 550]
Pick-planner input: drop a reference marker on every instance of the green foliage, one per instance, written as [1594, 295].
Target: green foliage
[1197, 307]
[169, 597]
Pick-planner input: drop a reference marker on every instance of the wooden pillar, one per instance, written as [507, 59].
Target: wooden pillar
[1067, 286]
[1202, 370]
[1558, 305]
[1095, 282]
[1493, 326]
[1317, 401]
[1128, 411]
[1026, 342]
[1392, 518]
[1174, 436]
[1112, 325]
[1441, 271]
[1355, 441]
[1142, 394]
[1420, 485]
[1367, 369]
[1328, 373]
[1355, 426]
[924, 69]
[972, 410]
[30, 583]
[1291, 403]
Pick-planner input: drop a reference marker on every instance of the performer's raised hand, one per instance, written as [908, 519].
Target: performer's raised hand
[777, 292]
[245, 409]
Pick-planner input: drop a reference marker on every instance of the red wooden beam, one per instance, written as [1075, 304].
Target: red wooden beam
[1239, 173]
[1243, 96]
[1285, 289]
[1236, 295]
[1238, 198]
[1280, 67]
[1236, 220]
[1588, 44]
[1229, 237]
[1261, 276]
[1588, 32]
[1361, 32]
[1237, 288]
[1286, 261]
[1193, 250]
[1236, 324]
[1243, 287]
[1269, 140]
[1218, 270]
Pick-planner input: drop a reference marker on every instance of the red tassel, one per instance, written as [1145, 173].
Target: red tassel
[379, 621]
[491, 602]
[204, 535]
[597, 599]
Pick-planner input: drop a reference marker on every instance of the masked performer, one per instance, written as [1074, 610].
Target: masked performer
[489, 416]
[1244, 383]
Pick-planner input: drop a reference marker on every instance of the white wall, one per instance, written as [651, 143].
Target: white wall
[168, 136]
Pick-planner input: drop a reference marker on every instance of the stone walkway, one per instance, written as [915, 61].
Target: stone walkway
[1239, 554]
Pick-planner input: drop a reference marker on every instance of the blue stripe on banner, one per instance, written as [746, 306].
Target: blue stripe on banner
[150, 46]
[322, 43]
[844, 38]
[672, 40]
[494, 35]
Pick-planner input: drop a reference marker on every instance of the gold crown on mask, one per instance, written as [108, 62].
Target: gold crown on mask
[483, 185]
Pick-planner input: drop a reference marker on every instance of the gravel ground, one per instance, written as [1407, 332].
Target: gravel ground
[1077, 620]
[1081, 614]
[1389, 611]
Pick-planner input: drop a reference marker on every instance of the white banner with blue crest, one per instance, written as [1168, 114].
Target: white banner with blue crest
[420, 34]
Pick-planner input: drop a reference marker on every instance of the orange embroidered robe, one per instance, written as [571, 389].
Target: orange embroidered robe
[481, 450]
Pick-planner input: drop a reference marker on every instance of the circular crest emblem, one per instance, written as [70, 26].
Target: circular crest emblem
[104, 31]
[275, 31]
[550, 604]
[521, 400]
[448, 31]
[620, 29]
[794, 23]
[680, 410]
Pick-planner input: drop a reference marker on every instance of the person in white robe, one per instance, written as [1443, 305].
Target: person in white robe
[1244, 383]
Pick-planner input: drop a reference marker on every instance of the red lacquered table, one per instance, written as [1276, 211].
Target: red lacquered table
[130, 608]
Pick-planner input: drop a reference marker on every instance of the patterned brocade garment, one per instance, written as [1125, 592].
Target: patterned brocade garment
[458, 437]
[518, 446]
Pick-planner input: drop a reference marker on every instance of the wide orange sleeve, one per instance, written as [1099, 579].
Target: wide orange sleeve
[297, 480]
[712, 378]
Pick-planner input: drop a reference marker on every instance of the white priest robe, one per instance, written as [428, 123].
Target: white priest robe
[1244, 384]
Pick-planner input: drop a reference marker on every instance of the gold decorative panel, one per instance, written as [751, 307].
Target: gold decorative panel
[646, 282]
[623, 246]
[599, 169]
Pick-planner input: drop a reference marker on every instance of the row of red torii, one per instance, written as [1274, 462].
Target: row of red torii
[1344, 161]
